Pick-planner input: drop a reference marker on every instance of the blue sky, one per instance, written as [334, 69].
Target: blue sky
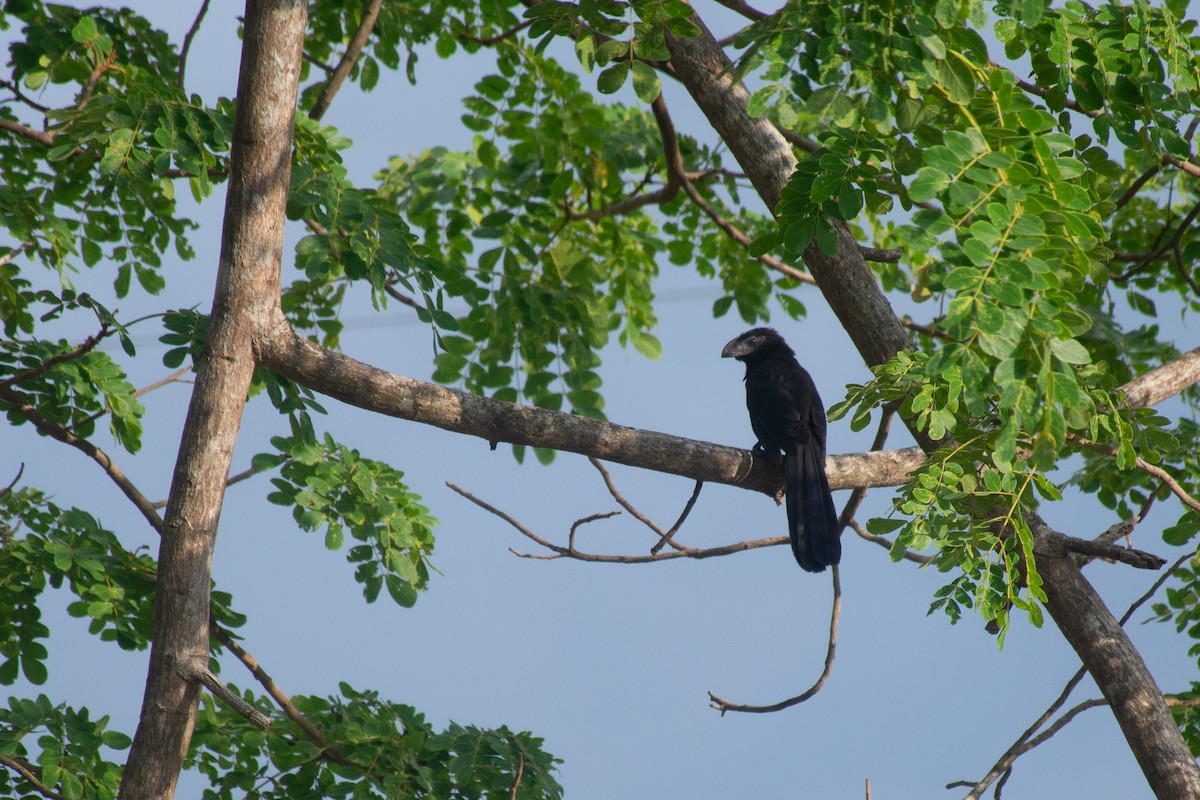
[611, 664]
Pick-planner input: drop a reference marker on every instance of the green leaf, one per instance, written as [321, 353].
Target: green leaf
[928, 184]
[1070, 351]
[85, 30]
[645, 82]
[613, 78]
[957, 79]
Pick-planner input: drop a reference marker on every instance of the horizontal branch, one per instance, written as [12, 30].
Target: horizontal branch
[344, 378]
[44, 138]
[1052, 543]
[1160, 383]
[351, 381]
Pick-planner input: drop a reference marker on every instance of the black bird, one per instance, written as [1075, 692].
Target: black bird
[787, 417]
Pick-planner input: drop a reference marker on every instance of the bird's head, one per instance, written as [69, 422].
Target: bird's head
[752, 342]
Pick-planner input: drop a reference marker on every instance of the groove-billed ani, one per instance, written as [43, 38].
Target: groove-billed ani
[787, 417]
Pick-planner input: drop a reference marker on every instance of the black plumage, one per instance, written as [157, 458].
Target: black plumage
[788, 418]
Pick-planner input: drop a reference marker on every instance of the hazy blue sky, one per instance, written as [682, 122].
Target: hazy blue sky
[610, 664]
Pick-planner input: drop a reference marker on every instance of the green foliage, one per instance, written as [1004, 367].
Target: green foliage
[1030, 216]
[66, 749]
[104, 189]
[57, 547]
[1187, 716]
[376, 749]
[71, 386]
[332, 487]
[1020, 219]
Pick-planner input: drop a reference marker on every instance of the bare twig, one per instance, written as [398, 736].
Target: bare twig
[577, 524]
[1145, 466]
[353, 51]
[683, 515]
[1179, 163]
[48, 427]
[234, 479]
[17, 93]
[558, 551]
[279, 696]
[32, 775]
[489, 41]
[860, 492]
[928, 330]
[1137, 185]
[188, 37]
[740, 7]
[158, 384]
[80, 351]
[1160, 248]
[886, 544]
[664, 537]
[16, 251]
[724, 705]
[20, 471]
[512, 790]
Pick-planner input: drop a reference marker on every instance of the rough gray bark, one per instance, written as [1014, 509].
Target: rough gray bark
[246, 293]
[1126, 683]
[845, 280]
[859, 303]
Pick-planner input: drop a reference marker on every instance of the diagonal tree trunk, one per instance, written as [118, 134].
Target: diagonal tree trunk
[855, 297]
[246, 294]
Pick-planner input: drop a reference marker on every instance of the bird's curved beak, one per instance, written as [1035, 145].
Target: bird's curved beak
[731, 350]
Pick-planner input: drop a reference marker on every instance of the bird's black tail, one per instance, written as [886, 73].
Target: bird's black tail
[812, 520]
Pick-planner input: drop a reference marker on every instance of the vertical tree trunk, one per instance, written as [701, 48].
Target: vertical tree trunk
[852, 292]
[247, 291]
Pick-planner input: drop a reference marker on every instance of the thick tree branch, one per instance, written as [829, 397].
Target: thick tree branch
[1025, 743]
[342, 377]
[197, 671]
[1122, 676]
[1163, 382]
[44, 138]
[246, 299]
